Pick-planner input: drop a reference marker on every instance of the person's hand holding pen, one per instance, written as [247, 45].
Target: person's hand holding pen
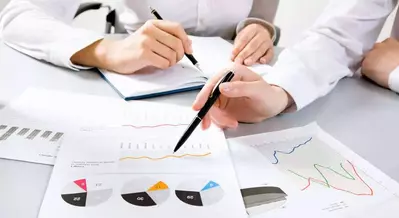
[247, 98]
[158, 43]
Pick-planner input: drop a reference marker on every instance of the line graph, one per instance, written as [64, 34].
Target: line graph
[318, 164]
[138, 127]
[327, 184]
[155, 126]
[290, 152]
[164, 157]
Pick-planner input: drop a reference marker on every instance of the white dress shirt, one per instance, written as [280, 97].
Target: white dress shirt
[41, 28]
[332, 49]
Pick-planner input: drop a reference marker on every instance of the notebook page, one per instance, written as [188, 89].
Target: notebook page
[213, 55]
[152, 80]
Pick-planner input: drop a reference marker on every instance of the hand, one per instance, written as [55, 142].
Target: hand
[157, 43]
[381, 61]
[247, 98]
[253, 44]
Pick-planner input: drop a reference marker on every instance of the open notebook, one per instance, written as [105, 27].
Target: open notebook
[213, 55]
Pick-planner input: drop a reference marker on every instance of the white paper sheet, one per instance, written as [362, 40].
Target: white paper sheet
[120, 160]
[29, 141]
[317, 173]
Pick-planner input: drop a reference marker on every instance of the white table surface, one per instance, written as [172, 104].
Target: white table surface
[358, 113]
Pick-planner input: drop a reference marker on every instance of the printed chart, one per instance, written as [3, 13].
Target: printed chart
[15, 132]
[32, 144]
[149, 157]
[199, 193]
[86, 193]
[145, 192]
[311, 163]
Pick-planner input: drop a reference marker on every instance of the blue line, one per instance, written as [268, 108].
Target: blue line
[293, 149]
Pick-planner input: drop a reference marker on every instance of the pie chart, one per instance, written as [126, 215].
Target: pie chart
[86, 193]
[200, 192]
[145, 192]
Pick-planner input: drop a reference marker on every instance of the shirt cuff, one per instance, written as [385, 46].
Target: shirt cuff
[300, 88]
[252, 20]
[65, 48]
[393, 81]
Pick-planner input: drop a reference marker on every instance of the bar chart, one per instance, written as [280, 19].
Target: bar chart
[31, 143]
[7, 132]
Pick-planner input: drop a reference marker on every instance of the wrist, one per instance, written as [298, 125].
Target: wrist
[251, 20]
[286, 99]
[94, 55]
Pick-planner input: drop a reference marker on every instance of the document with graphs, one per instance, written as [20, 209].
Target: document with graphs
[129, 169]
[29, 141]
[286, 172]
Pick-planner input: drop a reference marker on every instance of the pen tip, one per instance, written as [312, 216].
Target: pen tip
[151, 8]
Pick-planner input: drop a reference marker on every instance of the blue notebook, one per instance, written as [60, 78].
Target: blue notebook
[212, 53]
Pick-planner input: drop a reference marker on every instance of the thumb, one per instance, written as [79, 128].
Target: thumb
[241, 89]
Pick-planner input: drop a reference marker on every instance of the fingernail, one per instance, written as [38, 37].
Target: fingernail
[248, 61]
[226, 87]
[263, 60]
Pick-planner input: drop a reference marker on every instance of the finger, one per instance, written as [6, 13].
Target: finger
[170, 41]
[155, 60]
[206, 122]
[267, 58]
[242, 89]
[249, 49]
[177, 30]
[242, 39]
[203, 95]
[164, 51]
[253, 58]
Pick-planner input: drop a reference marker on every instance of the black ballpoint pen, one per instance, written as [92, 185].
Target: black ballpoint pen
[189, 56]
[204, 110]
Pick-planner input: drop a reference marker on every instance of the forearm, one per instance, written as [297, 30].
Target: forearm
[332, 49]
[41, 30]
[94, 55]
[263, 13]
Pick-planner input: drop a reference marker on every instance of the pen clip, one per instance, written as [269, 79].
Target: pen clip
[220, 81]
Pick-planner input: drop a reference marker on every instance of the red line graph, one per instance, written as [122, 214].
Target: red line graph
[371, 193]
[155, 126]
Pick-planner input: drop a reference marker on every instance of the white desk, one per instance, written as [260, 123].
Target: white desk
[359, 114]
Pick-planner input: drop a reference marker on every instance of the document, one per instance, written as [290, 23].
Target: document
[212, 53]
[130, 170]
[27, 140]
[306, 169]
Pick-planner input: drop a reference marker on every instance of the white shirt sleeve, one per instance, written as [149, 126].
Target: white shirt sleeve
[393, 81]
[41, 29]
[332, 49]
